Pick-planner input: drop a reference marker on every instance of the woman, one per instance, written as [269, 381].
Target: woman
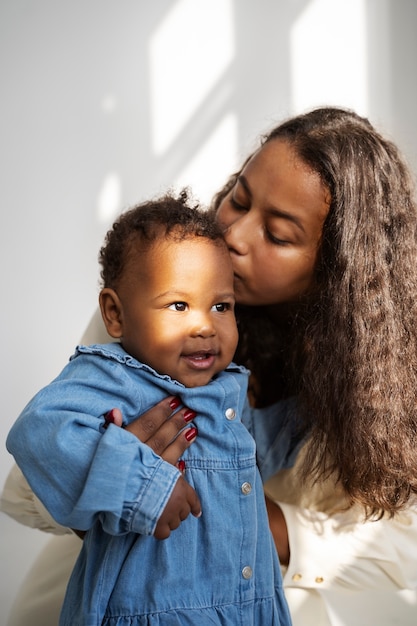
[321, 225]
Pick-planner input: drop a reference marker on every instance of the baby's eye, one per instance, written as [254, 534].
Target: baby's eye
[178, 306]
[221, 307]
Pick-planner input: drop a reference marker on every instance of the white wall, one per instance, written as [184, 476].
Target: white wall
[104, 103]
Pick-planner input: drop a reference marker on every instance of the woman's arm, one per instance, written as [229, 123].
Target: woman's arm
[337, 549]
[279, 530]
[19, 502]
[342, 551]
[330, 545]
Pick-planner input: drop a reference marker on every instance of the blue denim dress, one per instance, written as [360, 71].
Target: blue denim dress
[219, 569]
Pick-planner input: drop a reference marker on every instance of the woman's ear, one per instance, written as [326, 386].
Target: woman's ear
[111, 312]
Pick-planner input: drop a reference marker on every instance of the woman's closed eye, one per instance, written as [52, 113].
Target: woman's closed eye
[237, 206]
[276, 240]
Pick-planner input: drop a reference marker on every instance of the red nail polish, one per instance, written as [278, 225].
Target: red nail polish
[191, 433]
[174, 403]
[181, 466]
[109, 417]
[189, 415]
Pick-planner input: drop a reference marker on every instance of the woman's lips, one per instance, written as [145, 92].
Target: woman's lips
[238, 283]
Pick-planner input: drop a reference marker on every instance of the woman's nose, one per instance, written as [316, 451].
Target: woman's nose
[237, 234]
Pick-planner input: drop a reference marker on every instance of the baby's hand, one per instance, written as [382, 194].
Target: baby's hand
[182, 502]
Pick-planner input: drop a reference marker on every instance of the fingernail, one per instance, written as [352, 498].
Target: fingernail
[181, 466]
[189, 415]
[174, 403]
[191, 433]
[109, 417]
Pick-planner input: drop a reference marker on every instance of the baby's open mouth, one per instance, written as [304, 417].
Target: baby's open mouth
[202, 359]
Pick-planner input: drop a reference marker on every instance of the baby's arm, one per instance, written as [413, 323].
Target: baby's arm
[83, 472]
[153, 428]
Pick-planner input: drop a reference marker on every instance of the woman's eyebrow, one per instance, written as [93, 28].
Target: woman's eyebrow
[242, 180]
[272, 209]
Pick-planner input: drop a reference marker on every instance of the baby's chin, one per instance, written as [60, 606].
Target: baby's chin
[199, 379]
[196, 381]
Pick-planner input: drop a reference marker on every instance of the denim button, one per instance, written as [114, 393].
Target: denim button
[247, 572]
[246, 488]
[230, 414]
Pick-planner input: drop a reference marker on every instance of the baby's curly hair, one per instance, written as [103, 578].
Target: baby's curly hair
[140, 226]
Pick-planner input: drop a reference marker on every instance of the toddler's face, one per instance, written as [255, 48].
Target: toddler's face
[178, 309]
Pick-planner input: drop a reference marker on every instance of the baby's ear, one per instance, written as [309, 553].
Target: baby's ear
[111, 312]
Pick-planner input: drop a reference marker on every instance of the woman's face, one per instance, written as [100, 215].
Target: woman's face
[273, 219]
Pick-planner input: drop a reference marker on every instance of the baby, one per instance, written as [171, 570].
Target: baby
[168, 300]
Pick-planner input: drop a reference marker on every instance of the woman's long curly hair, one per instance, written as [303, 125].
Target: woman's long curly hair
[353, 340]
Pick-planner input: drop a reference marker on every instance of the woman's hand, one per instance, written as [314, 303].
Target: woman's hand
[159, 429]
[279, 530]
[158, 432]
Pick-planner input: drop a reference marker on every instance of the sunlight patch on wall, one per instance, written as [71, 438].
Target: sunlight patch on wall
[329, 56]
[109, 198]
[109, 103]
[210, 165]
[189, 52]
